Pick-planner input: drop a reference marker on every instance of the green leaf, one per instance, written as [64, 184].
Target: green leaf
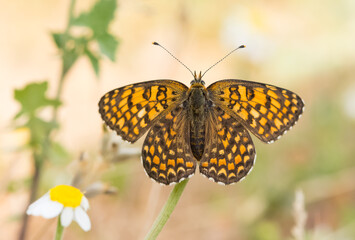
[98, 18]
[39, 130]
[33, 97]
[60, 40]
[108, 45]
[94, 61]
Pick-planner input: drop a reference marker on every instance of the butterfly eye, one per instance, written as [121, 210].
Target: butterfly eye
[202, 82]
[192, 82]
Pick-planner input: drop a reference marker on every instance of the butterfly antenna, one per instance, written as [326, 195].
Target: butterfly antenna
[241, 46]
[155, 43]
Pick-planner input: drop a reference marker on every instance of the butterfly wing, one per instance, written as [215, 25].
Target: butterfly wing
[267, 111]
[131, 110]
[166, 153]
[229, 151]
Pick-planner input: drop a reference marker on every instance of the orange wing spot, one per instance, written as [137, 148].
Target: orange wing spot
[113, 120]
[261, 130]
[254, 113]
[169, 116]
[114, 109]
[106, 100]
[263, 110]
[242, 149]
[284, 110]
[121, 122]
[126, 93]
[231, 175]
[162, 175]
[134, 121]
[234, 148]
[272, 94]
[128, 115]
[230, 166]
[222, 162]
[171, 162]
[280, 115]
[294, 101]
[154, 169]
[122, 103]
[212, 169]
[124, 109]
[225, 143]
[113, 102]
[156, 160]
[291, 116]
[226, 116]
[246, 158]
[271, 87]
[159, 149]
[275, 103]
[134, 109]
[204, 164]
[253, 124]
[221, 152]
[213, 161]
[148, 159]
[240, 168]
[273, 130]
[278, 123]
[221, 132]
[180, 160]
[172, 132]
[136, 131]
[222, 171]
[273, 109]
[285, 95]
[243, 114]
[108, 115]
[234, 96]
[168, 142]
[142, 123]
[125, 130]
[270, 116]
[237, 159]
[162, 167]
[189, 164]
[242, 93]
[237, 139]
[259, 97]
[180, 169]
[287, 103]
[267, 135]
[236, 107]
[286, 121]
[151, 150]
[128, 87]
[152, 113]
[263, 121]
[229, 135]
[294, 109]
[229, 156]
[106, 108]
[171, 171]
[166, 134]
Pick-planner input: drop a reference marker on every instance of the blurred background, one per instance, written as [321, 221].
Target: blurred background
[304, 46]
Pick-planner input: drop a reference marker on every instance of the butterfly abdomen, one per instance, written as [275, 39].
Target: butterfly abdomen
[197, 116]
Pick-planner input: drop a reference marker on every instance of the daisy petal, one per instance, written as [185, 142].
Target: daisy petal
[51, 209]
[82, 219]
[84, 203]
[67, 216]
[34, 208]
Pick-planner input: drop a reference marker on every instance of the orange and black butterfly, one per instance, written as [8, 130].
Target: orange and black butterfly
[200, 126]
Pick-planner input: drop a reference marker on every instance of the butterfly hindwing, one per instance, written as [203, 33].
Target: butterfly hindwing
[166, 153]
[267, 111]
[229, 151]
[131, 110]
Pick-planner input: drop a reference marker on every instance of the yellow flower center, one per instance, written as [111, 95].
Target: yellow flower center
[67, 195]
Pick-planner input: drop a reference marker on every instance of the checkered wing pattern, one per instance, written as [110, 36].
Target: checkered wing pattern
[267, 111]
[229, 151]
[166, 154]
[133, 109]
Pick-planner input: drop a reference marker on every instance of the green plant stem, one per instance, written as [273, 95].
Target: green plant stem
[39, 158]
[165, 213]
[59, 231]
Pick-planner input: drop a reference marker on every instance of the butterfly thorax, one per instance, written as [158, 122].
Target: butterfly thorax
[197, 115]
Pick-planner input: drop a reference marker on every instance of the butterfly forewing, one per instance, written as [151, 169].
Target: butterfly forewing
[229, 151]
[131, 110]
[267, 111]
[166, 154]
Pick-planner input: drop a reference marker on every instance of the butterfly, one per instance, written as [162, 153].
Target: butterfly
[198, 125]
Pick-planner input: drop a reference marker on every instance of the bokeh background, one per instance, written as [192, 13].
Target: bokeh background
[305, 46]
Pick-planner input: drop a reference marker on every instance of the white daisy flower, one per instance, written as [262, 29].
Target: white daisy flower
[65, 200]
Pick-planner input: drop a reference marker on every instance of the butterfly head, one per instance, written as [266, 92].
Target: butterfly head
[197, 79]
